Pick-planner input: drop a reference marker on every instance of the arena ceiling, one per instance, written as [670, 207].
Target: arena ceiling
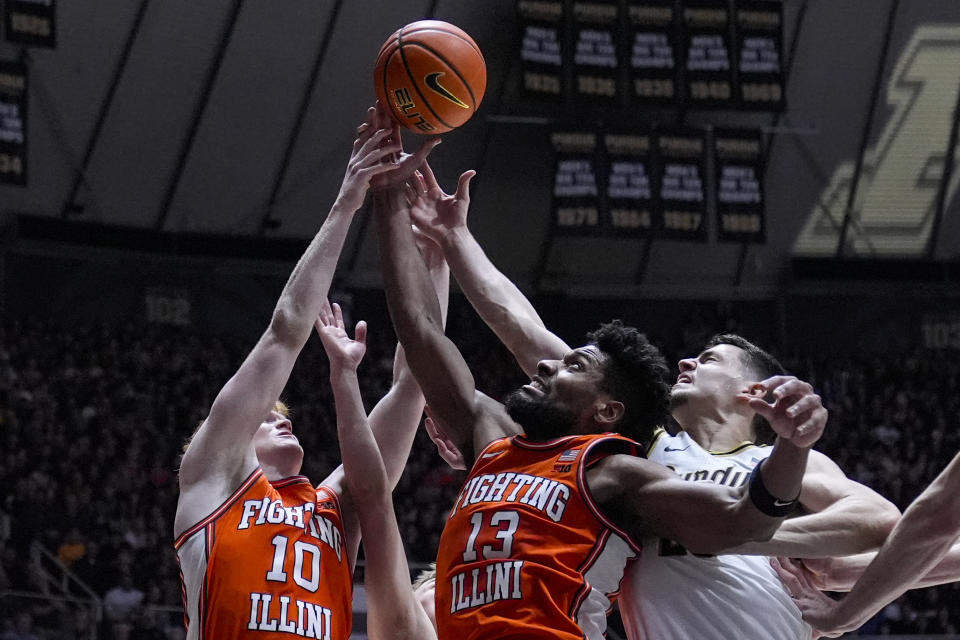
[203, 134]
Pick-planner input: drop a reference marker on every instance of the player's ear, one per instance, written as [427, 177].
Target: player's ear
[753, 390]
[608, 412]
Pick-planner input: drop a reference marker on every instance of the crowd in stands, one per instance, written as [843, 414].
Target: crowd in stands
[93, 420]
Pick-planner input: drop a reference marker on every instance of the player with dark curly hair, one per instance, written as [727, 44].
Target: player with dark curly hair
[539, 536]
[720, 424]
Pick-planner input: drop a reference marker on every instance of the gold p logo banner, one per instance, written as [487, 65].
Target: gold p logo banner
[895, 205]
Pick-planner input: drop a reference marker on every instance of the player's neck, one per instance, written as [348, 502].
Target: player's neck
[716, 431]
[275, 473]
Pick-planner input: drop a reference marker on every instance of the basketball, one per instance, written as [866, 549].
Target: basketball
[431, 75]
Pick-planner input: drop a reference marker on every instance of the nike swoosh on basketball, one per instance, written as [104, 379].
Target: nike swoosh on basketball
[669, 450]
[432, 80]
[491, 455]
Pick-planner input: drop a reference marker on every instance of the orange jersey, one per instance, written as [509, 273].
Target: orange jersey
[269, 563]
[526, 553]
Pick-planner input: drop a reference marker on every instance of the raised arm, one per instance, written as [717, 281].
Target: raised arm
[842, 517]
[394, 420]
[648, 499]
[220, 454]
[392, 610]
[922, 537]
[472, 419]
[840, 574]
[499, 302]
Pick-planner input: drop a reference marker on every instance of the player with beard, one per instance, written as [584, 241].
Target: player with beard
[670, 593]
[537, 541]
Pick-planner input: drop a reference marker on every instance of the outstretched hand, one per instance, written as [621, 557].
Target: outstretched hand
[796, 412]
[372, 146]
[445, 446]
[819, 610]
[344, 352]
[400, 166]
[434, 212]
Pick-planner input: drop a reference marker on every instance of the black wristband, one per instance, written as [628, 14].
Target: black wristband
[766, 502]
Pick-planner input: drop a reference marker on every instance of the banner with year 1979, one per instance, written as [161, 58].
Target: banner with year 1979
[576, 194]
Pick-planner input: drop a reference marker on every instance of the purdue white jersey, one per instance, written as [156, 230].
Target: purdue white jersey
[670, 594]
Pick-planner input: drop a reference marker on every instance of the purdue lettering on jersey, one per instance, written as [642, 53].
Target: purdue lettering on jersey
[526, 552]
[268, 564]
[670, 593]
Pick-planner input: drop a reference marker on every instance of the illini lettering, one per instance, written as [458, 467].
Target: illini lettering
[303, 619]
[481, 585]
[543, 494]
[301, 516]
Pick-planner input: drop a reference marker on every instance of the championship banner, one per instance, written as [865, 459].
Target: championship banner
[13, 123]
[31, 22]
[630, 191]
[759, 54]
[541, 48]
[595, 57]
[738, 169]
[651, 34]
[706, 43]
[576, 209]
[682, 191]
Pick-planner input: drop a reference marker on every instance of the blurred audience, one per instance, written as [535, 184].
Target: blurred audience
[92, 421]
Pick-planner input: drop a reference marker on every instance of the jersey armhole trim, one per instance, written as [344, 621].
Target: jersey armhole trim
[588, 497]
[219, 511]
[657, 434]
[334, 496]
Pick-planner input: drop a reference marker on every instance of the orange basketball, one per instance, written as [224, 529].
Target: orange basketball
[431, 75]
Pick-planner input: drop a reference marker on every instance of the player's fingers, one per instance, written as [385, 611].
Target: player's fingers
[421, 154]
[762, 407]
[771, 384]
[463, 185]
[360, 332]
[338, 315]
[793, 387]
[378, 141]
[811, 428]
[802, 404]
[419, 183]
[787, 577]
[429, 177]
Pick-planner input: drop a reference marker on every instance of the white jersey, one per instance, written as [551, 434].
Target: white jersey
[670, 594]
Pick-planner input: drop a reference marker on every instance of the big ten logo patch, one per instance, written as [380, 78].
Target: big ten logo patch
[896, 199]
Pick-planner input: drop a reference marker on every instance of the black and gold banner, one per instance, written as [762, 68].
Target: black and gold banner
[738, 171]
[682, 155]
[576, 192]
[596, 59]
[759, 54]
[13, 123]
[31, 22]
[542, 49]
[652, 41]
[706, 45]
[631, 202]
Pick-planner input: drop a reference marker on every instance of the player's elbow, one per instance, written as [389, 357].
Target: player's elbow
[286, 324]
[883, 518]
